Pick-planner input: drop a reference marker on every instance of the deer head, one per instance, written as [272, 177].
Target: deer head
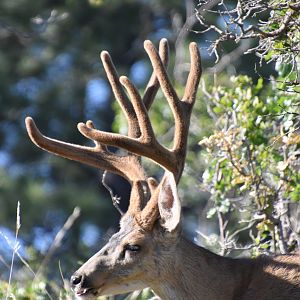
[140, 253]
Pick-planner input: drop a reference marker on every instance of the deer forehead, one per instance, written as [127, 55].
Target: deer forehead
[130, 231]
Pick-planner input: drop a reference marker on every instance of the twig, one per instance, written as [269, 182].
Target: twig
[66, 287]
[236, 27]
[114, 198]
[26, 264]
[222, 227]
[16, 245]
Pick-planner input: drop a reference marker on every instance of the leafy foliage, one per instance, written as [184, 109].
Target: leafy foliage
[39, 290]
[253, 161]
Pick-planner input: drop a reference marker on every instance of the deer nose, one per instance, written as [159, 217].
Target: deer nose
[76, 279]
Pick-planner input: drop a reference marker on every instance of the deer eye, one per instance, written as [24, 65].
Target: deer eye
[132, 248]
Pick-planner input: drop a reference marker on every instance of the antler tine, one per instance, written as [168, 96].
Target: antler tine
[153, 84]
[121, 97]
[194, 75]
[127, 167]
[161, 74]
[188, 101]
[140, 109]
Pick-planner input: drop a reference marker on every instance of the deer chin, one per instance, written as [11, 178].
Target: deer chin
[124, 288]
[111, 289]
[87, 293]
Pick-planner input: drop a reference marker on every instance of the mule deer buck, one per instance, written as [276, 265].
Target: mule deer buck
[149, 250]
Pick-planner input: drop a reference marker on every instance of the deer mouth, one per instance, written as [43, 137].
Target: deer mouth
[86, 293]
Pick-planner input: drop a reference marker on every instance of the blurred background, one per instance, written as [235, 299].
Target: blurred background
[50, 70]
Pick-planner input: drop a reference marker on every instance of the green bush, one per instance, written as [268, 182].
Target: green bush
[253, 162]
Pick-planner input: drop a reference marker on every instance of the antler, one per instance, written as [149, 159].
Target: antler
[127, 166]
[146, 143]
[141, 140]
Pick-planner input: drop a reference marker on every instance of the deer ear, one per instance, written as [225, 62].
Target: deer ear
[169, 203]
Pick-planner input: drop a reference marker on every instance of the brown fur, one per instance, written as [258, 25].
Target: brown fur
[177, 269]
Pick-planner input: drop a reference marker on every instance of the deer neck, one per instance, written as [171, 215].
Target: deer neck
[198, 274]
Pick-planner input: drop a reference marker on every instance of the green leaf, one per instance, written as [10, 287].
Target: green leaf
[211, 212]
[218, 109]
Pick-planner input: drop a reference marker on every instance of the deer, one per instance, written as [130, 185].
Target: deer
[150, 250]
